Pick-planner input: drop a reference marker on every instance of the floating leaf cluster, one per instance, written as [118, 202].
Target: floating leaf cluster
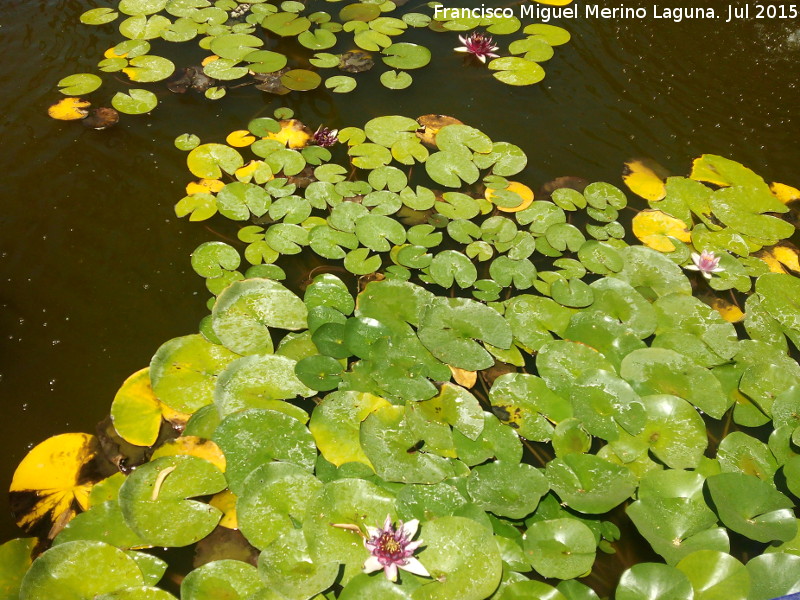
[253, 44]
[535, 434]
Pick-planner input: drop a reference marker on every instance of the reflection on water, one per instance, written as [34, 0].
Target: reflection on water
[94, 265]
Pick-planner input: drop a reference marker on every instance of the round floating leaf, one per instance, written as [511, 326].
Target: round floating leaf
[69, 109]
[396, 80]
[654, 228]
[79, 570]
[652, 581]
[346, 501]
[104, 523]
[135, 411]
[230, 579]
[526, 403]
[450, 326]
[146, 69]
[386, 436]
[53, 481]
[773, 575]
[156, 500]
[341, 84]
[141, 7]
[208, 161]
[256, 382]
[135, 102]
[15, 560]
[187, 141]
[462, 557]
[404, 56]
[319, 39]
[715, 575]
[562, 548]
[674, 432]
[255, 436]
[273, 501]
[516, 71]
[450, 168]
[79, 84]
[184, 371]
[287, 567]
[336, 422]
[246, 310]
[658, 370]
[301, 80]
[752, 507]
[99, 16]
[589, 484]
[366, 586]
[321, 373]
[507, 490]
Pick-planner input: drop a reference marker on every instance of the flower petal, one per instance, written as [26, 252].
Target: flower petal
[387, 524]
[410, 528]
[481, 58]
[372, 564]
[414, 566]
[391, 572]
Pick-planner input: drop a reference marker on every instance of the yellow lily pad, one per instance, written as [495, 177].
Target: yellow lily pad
[69, 109]
[652, 227]
[293, 134]
[240, 138]
[52, 483]
[646, 179]
[135, 411]
[523, 191]
[204, 186]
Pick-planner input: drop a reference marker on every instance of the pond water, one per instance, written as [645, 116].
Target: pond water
[95, 266]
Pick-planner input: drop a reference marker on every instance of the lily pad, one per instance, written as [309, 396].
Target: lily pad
[561, 548]
[135, 102]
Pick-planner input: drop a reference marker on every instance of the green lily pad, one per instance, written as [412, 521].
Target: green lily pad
[273, 501]
[561, 548]
[346, 501]
[79, 570]
[752, 507]
[79, 84]
[773, 575]
[525, 403]
[252, 437]
[652, 581]
[246, 310]
[462, 557]
[715, 575]
[184, 370]
[507, 490]
[450, 168]
[99, 16]
[513, 70]
[301, 80]
[396, 80]
[341, 84]
[208, 161]
[286, 566]
[142, 592]
[662, 371]
[450, 327]
[135, 102]
[230, 579]
[15, 560]
[403, 55]
[590, 484]
[156, 500]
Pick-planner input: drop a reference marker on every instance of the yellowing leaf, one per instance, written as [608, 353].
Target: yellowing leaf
[781, 258]
[241, 138]
[729, 311]
[257, 169]
[645, 178]
[226, 502]
[554, 2]
[204, 186]
[111, 53]
[430, 126]
[522, 190]
[652, 227]
[69, 109]
[209, 59]
[191, 445]
[135, 411]
[52, 483]
[174, 416]
[785, 193]
[292, 134]
[464, 378]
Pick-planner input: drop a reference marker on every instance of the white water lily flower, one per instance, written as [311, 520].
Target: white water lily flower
[391, 548]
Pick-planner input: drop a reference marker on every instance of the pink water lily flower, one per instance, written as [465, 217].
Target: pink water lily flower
[706, 262]
[479, 45]
[325, 137]
[391, 548]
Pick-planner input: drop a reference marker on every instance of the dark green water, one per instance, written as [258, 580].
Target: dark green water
[94, 266]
